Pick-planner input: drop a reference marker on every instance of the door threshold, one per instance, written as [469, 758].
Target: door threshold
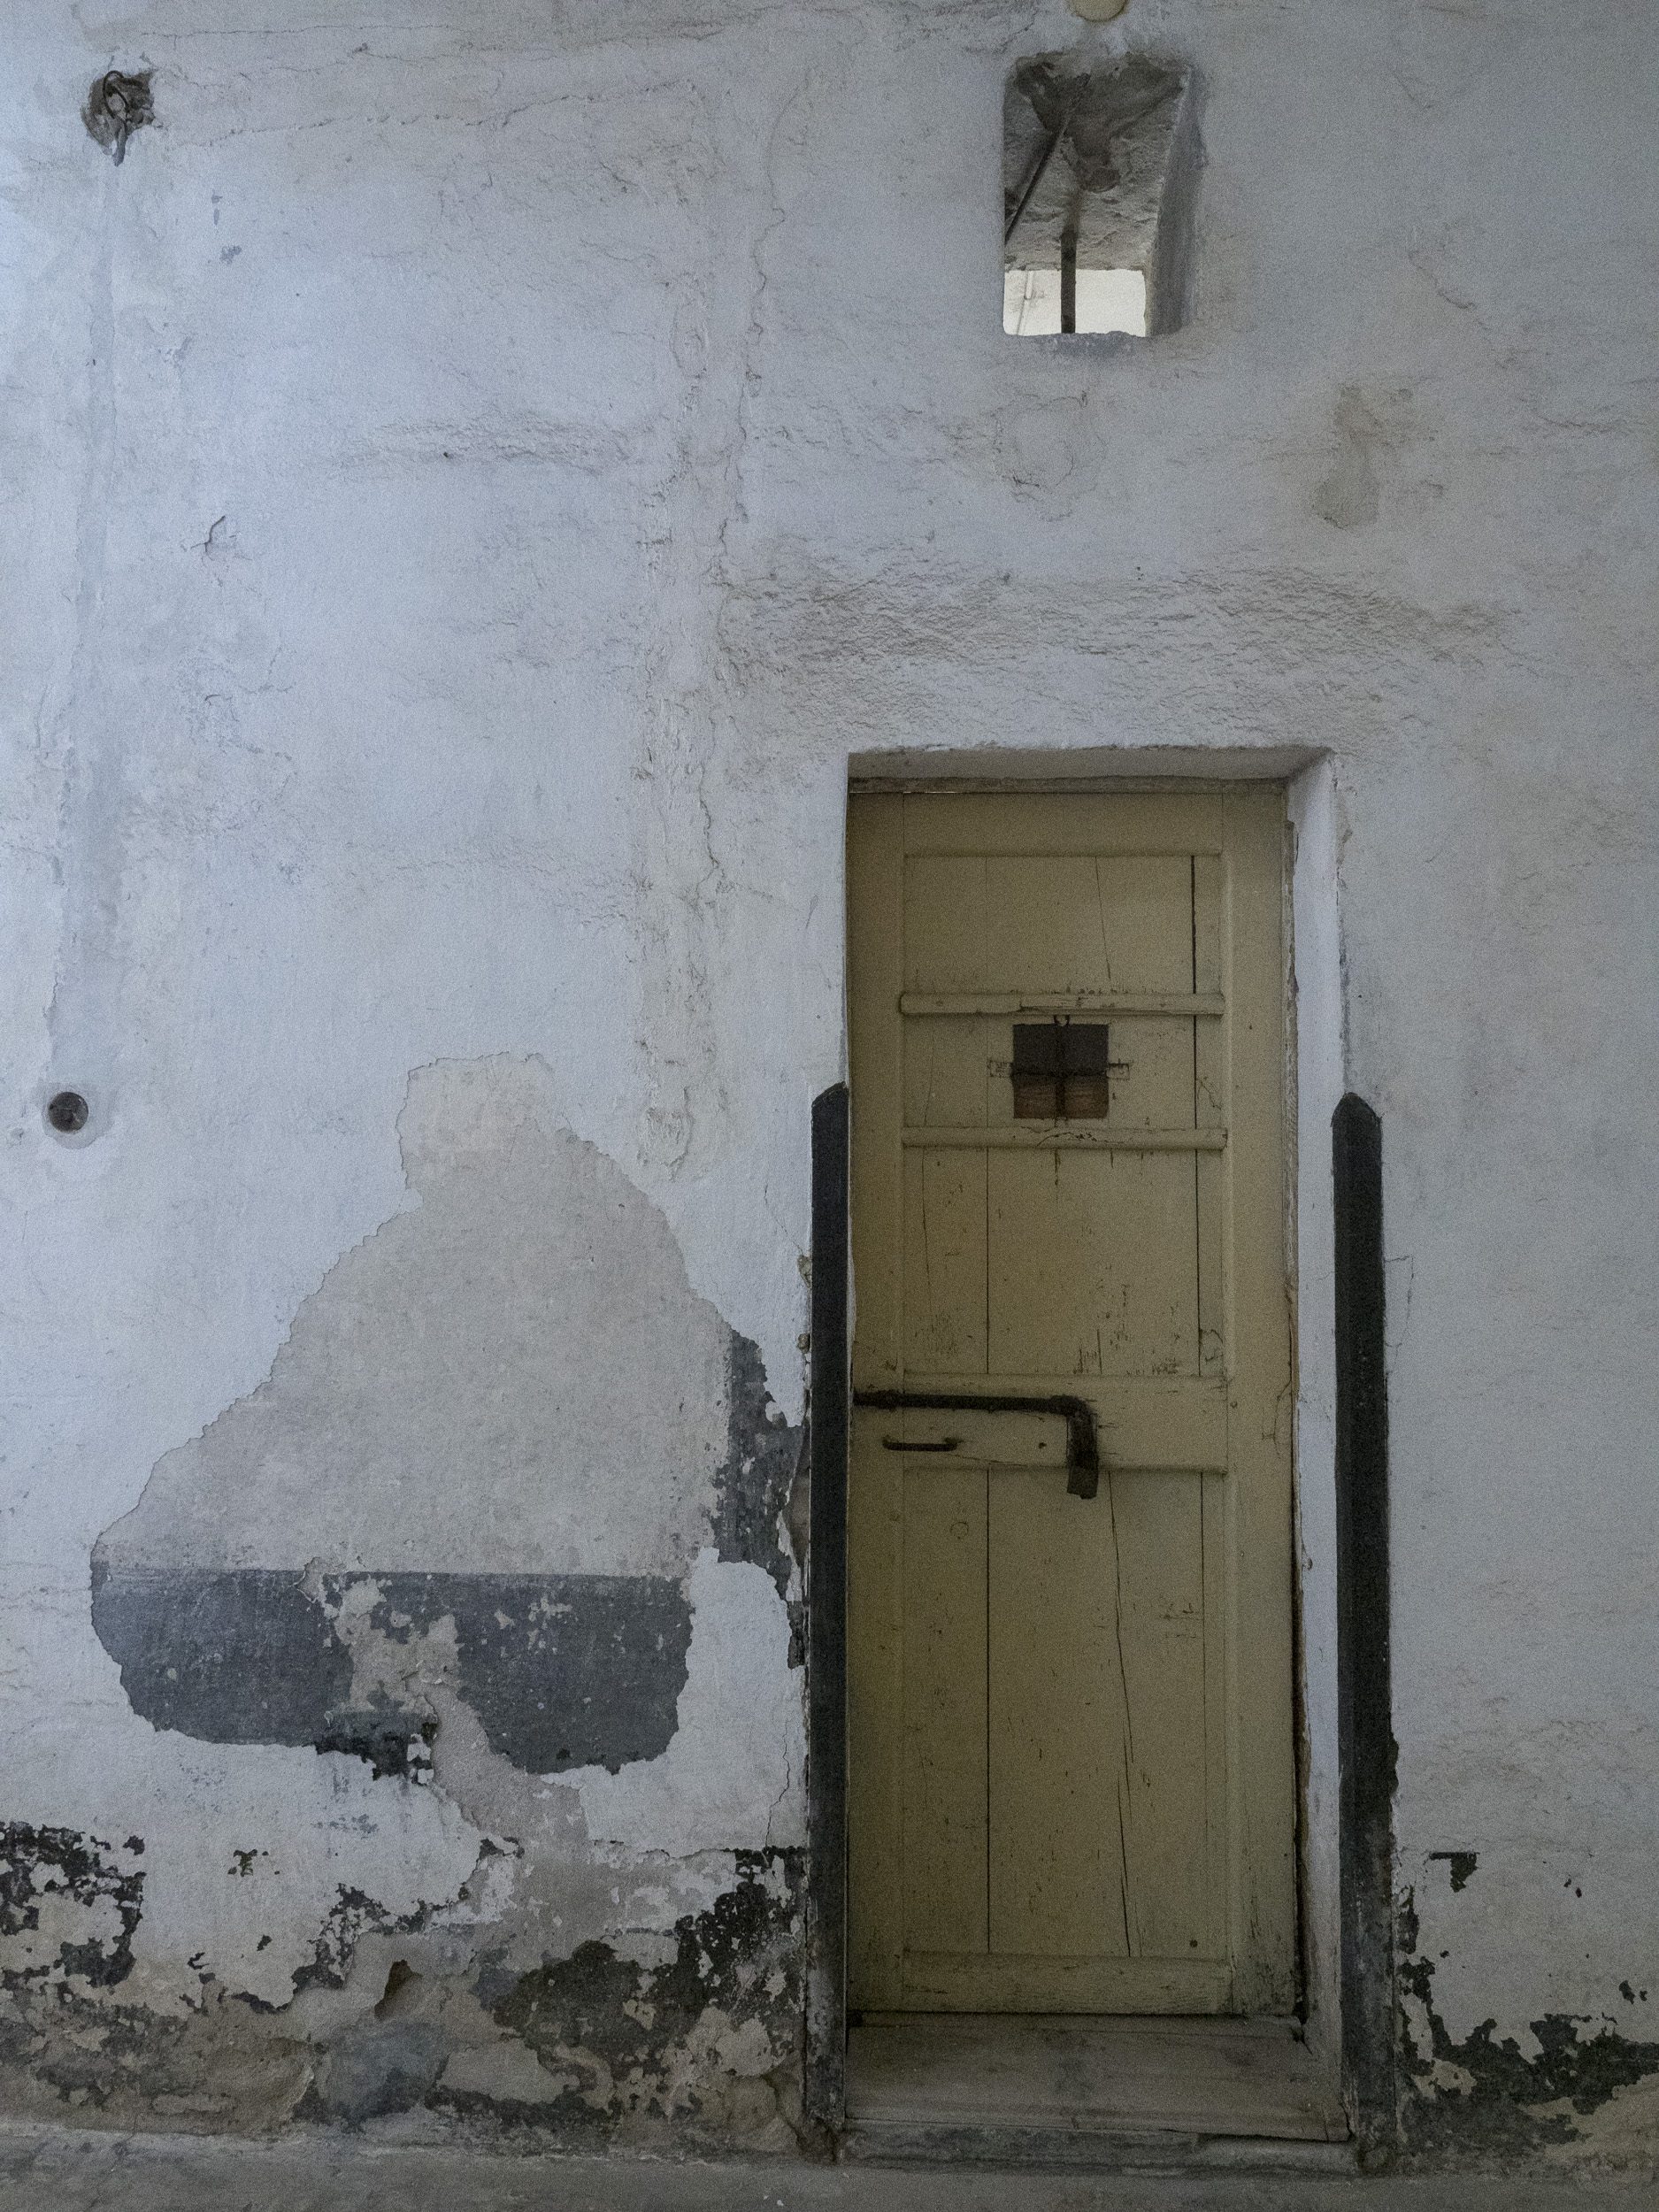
[1088, 2150]
[1089, 2090]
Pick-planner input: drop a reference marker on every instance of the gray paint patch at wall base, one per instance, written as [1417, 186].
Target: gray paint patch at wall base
[248, 1657]
[563, 1670]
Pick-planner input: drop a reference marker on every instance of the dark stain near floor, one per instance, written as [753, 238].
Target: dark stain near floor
[68, 2053]
[1459, 1864]
[74, 1880]
[1503, 2113]
[373, 2070]
[563, 1670]
[753, 1486]
[628, 2032]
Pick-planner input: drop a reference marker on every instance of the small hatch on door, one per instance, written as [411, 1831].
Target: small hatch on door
[1062, 1070]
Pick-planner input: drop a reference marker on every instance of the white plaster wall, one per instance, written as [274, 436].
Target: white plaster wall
[473, 475]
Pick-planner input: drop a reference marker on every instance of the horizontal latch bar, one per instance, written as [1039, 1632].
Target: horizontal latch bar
[1185, 1003]
[1058, 1136]
[1176, 1423]
[1082, 1450]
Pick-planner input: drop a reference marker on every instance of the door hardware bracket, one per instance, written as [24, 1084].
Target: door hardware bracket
[1082, 1447]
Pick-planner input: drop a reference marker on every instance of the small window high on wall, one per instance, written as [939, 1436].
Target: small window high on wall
[1100, 165]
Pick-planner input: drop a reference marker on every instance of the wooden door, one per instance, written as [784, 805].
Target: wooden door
[1071, 1783]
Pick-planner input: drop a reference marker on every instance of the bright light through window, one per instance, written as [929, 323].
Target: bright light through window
[1107, 299]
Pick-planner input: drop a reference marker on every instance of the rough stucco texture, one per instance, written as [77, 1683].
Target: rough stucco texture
[473, 476]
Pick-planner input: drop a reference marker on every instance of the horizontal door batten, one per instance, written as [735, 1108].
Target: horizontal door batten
[1184, 1003]
[1043, 1136]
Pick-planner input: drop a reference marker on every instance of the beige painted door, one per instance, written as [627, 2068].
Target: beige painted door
[1072, 1783]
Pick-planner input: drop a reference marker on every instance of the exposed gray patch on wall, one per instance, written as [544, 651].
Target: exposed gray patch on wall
[564, 1671]
[512, 1377]
[1375, 430]
[71, 2053]
[375, 2069]
[495, 1440]
[752, 1488]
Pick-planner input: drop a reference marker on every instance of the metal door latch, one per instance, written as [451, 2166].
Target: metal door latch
[1082, 1448]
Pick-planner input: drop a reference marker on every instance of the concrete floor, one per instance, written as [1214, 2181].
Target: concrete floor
[55, 2171]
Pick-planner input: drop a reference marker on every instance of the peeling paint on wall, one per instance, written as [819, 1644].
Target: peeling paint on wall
[618, 2036]
[583, 1647]
[607, 1420]
[1512, 2095]
[68, 1906]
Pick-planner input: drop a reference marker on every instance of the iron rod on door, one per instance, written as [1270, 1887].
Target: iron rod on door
[1082, 1447]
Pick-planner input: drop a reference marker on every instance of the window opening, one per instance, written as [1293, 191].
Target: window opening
[1062, 1070]
[1098, 171]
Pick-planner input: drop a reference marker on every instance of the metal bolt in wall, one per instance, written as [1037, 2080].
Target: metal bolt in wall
[116, 107]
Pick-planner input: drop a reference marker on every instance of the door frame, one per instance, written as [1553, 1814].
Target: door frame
[1342, 1856]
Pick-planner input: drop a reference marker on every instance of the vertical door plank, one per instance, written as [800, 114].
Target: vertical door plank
[1090, 924]
[875, 1598]
[1092, 1263]
[1158, 1520]
[1210, 1110]
[875, 886]
[944, 1261]
[1152, 1071]
[946, 1072]
[1217, 1696]
[944, 1882]
[1057, 1781]
[945, 921]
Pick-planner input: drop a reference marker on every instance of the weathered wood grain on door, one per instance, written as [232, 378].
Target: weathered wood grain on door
[1072, 1784]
